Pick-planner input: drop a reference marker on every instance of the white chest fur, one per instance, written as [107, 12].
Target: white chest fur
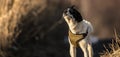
[80, 27]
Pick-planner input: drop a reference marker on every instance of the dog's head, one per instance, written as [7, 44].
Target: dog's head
[72, 15]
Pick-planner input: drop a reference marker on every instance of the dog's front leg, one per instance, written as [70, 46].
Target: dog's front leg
[72, 50]
[83, 45]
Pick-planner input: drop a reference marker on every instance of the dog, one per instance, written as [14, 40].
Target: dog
[80, 31]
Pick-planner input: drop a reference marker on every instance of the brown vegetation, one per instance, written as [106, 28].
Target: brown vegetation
[114, 46]
[25, 25]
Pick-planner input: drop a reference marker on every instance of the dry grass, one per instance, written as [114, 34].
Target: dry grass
[114, 46]
[12, 12]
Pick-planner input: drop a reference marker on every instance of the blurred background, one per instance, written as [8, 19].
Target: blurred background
[36, 28]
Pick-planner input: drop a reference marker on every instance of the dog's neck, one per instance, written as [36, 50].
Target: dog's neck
[74, 27]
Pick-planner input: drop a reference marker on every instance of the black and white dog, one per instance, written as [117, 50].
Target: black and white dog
[81, 31]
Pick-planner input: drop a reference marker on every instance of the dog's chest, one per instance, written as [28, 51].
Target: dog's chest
[74, 38]
[78, 28]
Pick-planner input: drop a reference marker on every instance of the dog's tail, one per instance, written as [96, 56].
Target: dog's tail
[94, 39]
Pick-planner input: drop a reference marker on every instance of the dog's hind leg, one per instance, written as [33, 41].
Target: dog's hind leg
[90, 50]
[72, 50]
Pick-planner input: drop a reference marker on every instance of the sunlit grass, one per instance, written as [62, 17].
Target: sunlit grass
[114, 46]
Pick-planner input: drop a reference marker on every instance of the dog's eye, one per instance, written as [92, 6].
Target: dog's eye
[67, 13]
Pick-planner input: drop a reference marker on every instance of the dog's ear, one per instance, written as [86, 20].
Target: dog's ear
[72, 9]
[76, 14]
